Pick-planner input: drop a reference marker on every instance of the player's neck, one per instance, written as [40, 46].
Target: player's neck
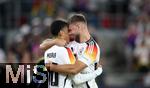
[64, 42]
[85, 36]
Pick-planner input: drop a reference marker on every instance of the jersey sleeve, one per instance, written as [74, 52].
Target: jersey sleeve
[59, 55]
[89, 53]
[81, 78]
[71, 58]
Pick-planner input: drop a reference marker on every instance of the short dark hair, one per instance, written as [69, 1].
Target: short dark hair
[57, 26]
[77, 18]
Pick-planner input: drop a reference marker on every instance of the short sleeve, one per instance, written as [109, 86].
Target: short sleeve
[86, 60]
[71, 58]
[58, 55]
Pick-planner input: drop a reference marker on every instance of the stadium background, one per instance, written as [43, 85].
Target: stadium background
[121, 27]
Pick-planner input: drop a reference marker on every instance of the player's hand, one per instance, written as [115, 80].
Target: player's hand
[99, 70]
[99, 65]
[48, 65]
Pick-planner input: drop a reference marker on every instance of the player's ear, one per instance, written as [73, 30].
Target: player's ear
[61, 33]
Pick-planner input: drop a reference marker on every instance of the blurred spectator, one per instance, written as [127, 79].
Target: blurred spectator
[36, 52]
[80, 6]
[106, 20]
[142, 22]
[131, 35]
[141, 53]
[25, 29]
[47, 21]
[2, 56]
[2, 40]
[93, 5]
[147, 80]
[135, 6]
[61, 13]
[146, 6]
[19, 51]
[11, 56]
[147, 38]
[37, 29]
[93, 19]
[36, 26]
[68, 4]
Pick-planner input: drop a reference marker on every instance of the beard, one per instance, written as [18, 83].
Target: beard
[72, 37]
[77, 38]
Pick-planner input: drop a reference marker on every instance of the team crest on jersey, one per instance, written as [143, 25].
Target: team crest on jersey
[81, 50]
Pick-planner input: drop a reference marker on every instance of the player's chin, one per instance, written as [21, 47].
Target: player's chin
[72, 37]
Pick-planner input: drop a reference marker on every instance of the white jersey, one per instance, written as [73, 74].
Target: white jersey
[59, 55]
[88, 53]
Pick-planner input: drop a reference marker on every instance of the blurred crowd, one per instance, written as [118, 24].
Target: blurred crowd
[138, 40]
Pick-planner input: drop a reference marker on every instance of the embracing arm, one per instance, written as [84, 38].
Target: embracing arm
[48, 43]
[81, 78]
[70, 69]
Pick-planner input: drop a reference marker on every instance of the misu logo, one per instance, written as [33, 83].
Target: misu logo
[26, 69]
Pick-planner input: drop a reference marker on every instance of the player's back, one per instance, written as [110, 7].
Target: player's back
[58, 55]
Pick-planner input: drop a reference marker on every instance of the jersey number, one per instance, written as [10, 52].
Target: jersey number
[54, 78]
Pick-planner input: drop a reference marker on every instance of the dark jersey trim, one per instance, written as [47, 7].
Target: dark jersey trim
[87, 85]
[91, 39]
[95, 66]
[65, 81]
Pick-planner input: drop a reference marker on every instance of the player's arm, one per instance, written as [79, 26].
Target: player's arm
[47, 43]
[50, 42]
[73, 68]
[82, 62]
[70, 69]
[81, 78]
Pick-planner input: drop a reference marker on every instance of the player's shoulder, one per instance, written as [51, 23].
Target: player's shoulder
[72, 44]
[56, 48]
[91, 40]
[55, 52]
[89, 46]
